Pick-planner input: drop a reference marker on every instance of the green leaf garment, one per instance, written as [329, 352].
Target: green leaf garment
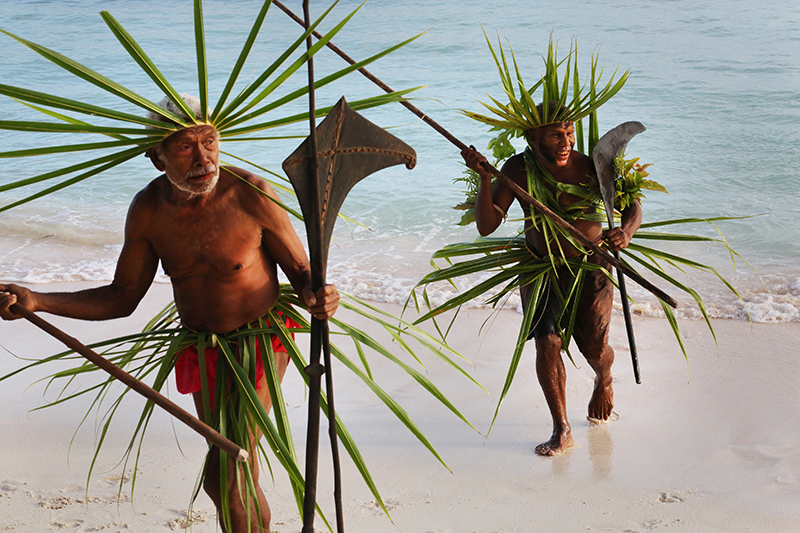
[506, 264]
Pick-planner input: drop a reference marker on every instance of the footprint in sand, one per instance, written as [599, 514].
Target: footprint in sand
[675, 497]
[9, 485]
[196, 517]
[375, 508]
[78, 487]
[112, 525]
[56, 503]
[55, 526]
[112, 480]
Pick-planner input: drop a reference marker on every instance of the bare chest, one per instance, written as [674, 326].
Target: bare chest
[213, 242]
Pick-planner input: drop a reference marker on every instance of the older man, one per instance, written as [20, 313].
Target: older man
[550, 161]
[220, 242]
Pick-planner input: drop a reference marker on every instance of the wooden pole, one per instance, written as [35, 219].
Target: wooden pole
[314, 370]
[519, 191]
[145, 390]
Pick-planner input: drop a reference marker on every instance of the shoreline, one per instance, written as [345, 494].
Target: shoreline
[712, 446]
[768, 296]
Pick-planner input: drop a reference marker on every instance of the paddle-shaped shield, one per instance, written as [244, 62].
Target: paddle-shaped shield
[349, 148]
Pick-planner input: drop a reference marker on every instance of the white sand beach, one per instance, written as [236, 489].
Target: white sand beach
[709, 447]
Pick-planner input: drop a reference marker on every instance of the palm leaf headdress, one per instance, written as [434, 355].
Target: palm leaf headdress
[560, 78]
[235, 117]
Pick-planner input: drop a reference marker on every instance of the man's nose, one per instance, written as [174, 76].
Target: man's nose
[201, 156]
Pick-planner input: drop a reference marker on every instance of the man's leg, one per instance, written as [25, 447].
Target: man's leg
[551, 373]
[591, 336]
[553, 380]
[258, 522]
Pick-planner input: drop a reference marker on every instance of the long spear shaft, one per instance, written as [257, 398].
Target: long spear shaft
[314, 368]
[320, 338]
[519, 191]
[626, 312]
[145, 390]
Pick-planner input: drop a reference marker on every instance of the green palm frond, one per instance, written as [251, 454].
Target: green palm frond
[234, 118]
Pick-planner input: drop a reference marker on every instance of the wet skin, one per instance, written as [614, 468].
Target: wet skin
[553, 149]
[221, 244]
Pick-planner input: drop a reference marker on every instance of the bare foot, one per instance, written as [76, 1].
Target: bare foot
[602, 401]
[560, 441]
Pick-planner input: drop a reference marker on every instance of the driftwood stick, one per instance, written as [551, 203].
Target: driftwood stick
[145, 390]
[519, 191]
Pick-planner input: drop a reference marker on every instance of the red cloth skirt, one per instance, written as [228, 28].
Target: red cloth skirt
[187, 367]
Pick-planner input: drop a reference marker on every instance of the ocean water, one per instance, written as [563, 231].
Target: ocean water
[717, 83]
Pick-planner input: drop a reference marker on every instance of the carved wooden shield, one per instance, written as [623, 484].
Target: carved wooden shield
[349, 148]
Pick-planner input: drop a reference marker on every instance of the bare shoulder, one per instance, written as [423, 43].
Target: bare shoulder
[514, 168]
[144, 210]
[146, 201]
[243, 180]
[515, 163]
[254, 194]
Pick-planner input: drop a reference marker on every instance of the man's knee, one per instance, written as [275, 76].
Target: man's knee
[548, 346]
[213, 483]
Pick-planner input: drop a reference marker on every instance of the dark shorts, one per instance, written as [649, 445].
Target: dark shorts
[595, 299]
[187, 367]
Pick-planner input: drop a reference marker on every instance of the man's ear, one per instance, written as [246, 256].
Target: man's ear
[152, 153]
[532, 137]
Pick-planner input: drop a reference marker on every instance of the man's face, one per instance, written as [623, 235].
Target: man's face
[190, 159]
[554, 142]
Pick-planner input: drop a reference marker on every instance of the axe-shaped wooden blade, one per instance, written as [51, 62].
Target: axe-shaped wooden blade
[605, 151]
[349, 148]
[610, 145]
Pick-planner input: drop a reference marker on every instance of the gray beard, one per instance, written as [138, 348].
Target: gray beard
[202, 188]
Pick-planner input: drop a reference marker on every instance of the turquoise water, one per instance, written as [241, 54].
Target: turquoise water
[716, 83]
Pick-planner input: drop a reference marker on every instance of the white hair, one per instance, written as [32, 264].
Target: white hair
[191, 101]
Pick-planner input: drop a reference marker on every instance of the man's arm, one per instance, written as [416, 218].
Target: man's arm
[492, 203]
[136, 268]
[620, 237]
[284, 246]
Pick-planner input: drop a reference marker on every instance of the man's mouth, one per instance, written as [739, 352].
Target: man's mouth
[202, 174]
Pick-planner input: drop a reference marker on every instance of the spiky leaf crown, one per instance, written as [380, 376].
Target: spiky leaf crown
[521, 113]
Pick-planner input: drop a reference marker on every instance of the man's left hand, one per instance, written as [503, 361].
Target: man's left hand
[324, 303]
[616, 239]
